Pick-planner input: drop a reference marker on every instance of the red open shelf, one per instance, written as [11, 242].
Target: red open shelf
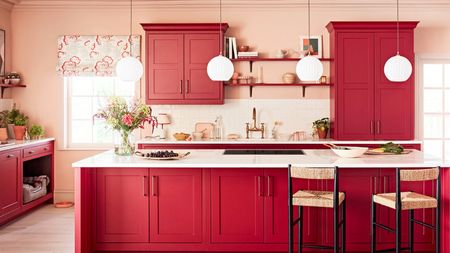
[303, 85]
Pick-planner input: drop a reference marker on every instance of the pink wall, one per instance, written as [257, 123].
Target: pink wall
[266, 29]
[5, 24]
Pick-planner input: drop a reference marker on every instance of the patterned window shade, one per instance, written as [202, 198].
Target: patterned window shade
[94, 55]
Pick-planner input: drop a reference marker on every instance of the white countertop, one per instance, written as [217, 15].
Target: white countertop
[216, 159]
[12, 144]
[267, 141]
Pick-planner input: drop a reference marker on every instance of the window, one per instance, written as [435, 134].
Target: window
[84, 96]
[435, 97]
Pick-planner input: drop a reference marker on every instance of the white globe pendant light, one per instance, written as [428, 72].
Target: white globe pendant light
[309, 68]
[130, 69]
[220, 68]
[398, 68]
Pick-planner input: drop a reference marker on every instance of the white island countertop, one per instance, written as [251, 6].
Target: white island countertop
[216, 159]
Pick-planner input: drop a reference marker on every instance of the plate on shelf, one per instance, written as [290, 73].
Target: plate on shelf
[160, 155]
[371, 152]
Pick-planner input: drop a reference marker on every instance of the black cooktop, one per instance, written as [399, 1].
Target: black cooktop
[264, 152]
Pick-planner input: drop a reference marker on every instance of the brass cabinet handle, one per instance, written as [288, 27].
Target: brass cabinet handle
[269, 191]
[10, 156]
[372, 123]
[145, 185]
[378, 127]
[385, 183]
[188, 86]
[259, 187]
[45, 149]
[375, 185]
[31, 152]
[154, 187]
[181, 86]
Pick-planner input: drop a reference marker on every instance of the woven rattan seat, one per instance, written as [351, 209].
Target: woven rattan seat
[316, 198]
[410, 200]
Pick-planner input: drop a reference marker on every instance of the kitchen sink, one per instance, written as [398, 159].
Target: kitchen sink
[264, 152]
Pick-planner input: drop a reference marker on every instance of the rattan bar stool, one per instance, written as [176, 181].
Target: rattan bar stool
[325, 199]
[410, 201]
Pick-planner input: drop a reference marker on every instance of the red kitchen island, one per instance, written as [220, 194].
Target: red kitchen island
[235, 203]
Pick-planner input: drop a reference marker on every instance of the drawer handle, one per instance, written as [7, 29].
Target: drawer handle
[45, 149]
[10, 156]
[31, 152]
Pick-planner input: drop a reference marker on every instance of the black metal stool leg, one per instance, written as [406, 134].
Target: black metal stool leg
[373, 228]
[411, 231]
[300, 229]
[344, 216]
[398, 230]
[290, 215]
[336, 228]
[438, 212]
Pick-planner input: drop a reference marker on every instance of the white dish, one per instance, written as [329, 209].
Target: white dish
[351, 152]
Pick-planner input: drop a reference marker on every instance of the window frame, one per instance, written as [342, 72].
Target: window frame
[68, 145]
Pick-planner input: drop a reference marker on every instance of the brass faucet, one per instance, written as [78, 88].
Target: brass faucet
[254, 128]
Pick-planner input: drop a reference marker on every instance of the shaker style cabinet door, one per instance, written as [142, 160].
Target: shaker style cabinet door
[122, 205]
[176, 205]
[355, 73]
[10, 182]
[199, 50]
[165, 56]
[394, 102]
[237, 201]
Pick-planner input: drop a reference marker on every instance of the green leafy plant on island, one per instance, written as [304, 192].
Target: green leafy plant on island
[36, 131]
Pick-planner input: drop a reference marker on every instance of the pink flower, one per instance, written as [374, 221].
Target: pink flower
[127, 119]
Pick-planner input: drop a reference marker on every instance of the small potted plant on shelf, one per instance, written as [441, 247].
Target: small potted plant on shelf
[3, 126]
[20, 121]
[322, 126]
[36, 132]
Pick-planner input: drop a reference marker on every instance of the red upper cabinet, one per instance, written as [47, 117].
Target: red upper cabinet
[176, 205]
[364, 104]
[122, 205]
[10, 182]
[177, 57]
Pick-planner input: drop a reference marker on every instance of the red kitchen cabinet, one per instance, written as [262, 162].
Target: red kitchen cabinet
[237, 202]
[364, 104]
[122, 205]
[176, 205]
[10, 182]
[177, 57]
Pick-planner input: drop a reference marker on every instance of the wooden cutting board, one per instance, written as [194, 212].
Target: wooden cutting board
[206, 128]
[406, 151]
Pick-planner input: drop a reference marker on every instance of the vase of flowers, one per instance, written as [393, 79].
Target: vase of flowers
[125, 118]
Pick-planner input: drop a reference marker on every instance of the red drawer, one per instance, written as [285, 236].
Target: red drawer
[37, 150]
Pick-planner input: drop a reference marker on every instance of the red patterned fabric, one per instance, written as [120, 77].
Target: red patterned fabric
[94, 55]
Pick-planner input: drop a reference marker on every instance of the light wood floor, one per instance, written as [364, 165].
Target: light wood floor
[44, 230]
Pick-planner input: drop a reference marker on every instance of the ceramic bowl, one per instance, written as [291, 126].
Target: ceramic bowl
[14, 81]
[351, 152]
[181, 136]
[289, 78]
[243, 48]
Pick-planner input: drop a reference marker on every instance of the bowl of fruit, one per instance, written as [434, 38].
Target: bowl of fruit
[161, 155]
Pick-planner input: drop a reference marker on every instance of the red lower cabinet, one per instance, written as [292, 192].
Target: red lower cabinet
[122, 210]
[176, 205]
[237, 202]
[10, 182]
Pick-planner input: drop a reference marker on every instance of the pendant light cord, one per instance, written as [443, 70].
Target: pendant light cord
[131, 28]
[309, 26]
[220, 28]
[398, 28]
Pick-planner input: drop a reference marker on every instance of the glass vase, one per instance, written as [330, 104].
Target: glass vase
[125, 147]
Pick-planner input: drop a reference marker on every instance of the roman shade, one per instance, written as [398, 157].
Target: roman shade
[94, 55]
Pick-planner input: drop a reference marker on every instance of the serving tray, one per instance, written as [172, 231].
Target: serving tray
[178, 157]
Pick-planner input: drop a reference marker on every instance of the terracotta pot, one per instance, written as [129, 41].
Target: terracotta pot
[322, 132]
[3, 134]
[19, 132]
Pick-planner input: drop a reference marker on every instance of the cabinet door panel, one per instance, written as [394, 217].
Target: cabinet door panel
[237, 205]
[165, 66]
[122, 205]
[355, 91]
[394, 102]
[176, 205]
[199, 50]
[10, 182]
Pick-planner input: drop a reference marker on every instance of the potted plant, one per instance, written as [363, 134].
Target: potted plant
[3, 125]
[36, 132]
[20, 122]
[10, 119]
[322, 126]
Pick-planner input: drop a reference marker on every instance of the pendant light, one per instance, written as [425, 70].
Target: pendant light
[220, 68]
[309, 68]
[398, 68]
[130, 69]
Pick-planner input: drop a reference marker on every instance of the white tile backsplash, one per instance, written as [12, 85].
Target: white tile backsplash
[295, 114]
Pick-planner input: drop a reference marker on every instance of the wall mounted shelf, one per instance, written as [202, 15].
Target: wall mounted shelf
[252, 60]
[6, 86]
[303, 85]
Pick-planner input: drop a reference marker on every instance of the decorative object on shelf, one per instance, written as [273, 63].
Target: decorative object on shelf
[309, 68]
[220, 68]
[2, 51]
[243, 48]
[129, 68]
[259, 79]
[36, 132]
[398, 68]
[281, 53]
[124, 118]
[289, 78]
[235, 78]
[247, 55]
[12, 78]
[163, 119]
[245, 79]
[311, 45]
[322, 126]
[323, 79]
[3, 125]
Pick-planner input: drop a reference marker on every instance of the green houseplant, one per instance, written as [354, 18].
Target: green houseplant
[322, 126]
[3, 125]
[36, 132]
[20, 121]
